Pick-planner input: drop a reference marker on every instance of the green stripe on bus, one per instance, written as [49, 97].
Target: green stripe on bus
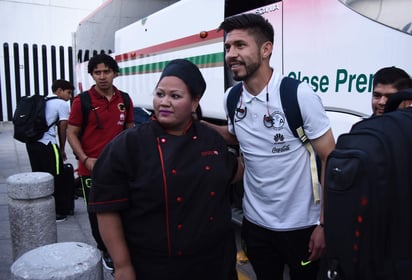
[202, 61]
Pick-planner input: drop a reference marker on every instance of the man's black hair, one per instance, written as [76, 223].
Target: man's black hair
[403, 84]
[63, 84]
[389, 75]
[257, 26]
[105, 59]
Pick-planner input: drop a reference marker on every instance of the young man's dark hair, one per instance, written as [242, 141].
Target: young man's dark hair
[389, 75]
[63, 84]
[403, 84]
[258, 26]
[384, 86]
[105, 59]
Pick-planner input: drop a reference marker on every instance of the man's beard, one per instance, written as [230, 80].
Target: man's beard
[251, 69]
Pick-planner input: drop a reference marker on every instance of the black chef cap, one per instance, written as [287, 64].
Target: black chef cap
[189, 73]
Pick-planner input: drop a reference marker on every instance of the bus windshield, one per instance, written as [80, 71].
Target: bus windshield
[393, 13]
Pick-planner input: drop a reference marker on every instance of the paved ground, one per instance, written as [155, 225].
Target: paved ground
[14, 160]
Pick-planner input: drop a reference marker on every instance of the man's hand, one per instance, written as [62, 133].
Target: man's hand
[317, 243]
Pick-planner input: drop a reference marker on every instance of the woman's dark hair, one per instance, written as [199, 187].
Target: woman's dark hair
[197, 115]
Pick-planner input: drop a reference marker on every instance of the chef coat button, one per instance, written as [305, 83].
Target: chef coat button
[163, 140]
[174, 171]
[179, 253]
[207, 167]
[179, 199]
[194, 137]
[211, 219]
[179, 226]
[212, 194]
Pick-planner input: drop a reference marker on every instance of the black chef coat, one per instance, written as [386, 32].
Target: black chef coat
[172, 195]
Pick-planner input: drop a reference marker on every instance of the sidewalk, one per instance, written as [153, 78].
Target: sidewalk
[14, 160]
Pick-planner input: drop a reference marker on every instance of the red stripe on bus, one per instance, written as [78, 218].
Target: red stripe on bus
[178, 43]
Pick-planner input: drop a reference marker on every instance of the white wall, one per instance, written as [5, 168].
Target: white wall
[41, 22]
[49, 22]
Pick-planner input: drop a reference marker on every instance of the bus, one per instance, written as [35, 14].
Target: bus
[334, 45]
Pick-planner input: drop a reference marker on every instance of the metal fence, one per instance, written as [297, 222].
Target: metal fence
[30, 69]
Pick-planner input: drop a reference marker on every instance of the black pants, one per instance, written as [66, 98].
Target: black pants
[216, 262]
[269, 251]
[47, 158]
[86, 184]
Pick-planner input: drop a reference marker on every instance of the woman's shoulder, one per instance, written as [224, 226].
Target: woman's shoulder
[139, 129]
[133, 137]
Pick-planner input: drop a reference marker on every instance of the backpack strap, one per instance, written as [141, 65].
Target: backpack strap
[87, 106]
[126, 100]
[232, 100]
[289, 100]
[46, 98]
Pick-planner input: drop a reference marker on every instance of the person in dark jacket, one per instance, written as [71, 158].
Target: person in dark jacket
[160, 190]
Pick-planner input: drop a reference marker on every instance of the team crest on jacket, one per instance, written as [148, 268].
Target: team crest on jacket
[121, 107]
[278, 120]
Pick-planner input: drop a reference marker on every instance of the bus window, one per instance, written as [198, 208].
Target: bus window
[393, 13]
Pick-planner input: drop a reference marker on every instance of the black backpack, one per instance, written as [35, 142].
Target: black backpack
[288, 96]
[87, 107]
[29, 119]
[368, 200]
